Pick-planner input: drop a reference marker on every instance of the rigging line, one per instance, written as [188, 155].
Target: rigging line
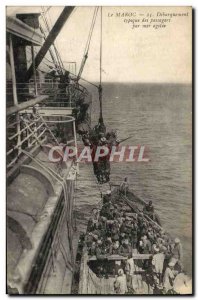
[50, 50]
[101, 47]
[48, 28]
[100, 85]
[91, 29]
[55, 44]
[85, 56]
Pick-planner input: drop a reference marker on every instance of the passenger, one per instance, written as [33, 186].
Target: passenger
[120, 283]
[85, 139]
[100, 250]
[102, 141]
[122, 237]
[123, 226]
[146, 245]
[110, 213]
[109, 245]
[114, 229]
[177, 250]
[130, 271]
[150, 235]
[125, 248]
[158, 263]
[92, 224]
[115, 247]
[105, 210]
[89, 240]
[134, 235]
[107, 197]
[182, 284]
[169, 277]
[124, 186]
[149, 209]
[92, 250]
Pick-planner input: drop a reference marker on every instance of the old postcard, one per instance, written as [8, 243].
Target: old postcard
[99, 150]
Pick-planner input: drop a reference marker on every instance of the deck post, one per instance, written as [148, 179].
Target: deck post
[34, 70]
[14, 90]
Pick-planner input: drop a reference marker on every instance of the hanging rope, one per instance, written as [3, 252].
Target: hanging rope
[100, 85]
[87, 46]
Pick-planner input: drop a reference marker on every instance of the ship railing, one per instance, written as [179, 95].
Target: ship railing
[67, 96]
[26, 130]
[23, 132]
[136, 256]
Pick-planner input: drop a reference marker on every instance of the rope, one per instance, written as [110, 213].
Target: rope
[85, 56]
[57, 60]
[100, 85]
[101, 47]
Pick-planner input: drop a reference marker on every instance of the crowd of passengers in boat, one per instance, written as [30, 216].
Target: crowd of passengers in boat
[115, 230]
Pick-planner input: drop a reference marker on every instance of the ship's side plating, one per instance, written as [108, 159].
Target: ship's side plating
[41, 233]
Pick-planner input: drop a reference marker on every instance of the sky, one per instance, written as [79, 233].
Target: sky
[129, 55]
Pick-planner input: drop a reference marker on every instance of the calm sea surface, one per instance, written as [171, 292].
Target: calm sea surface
[157, 116]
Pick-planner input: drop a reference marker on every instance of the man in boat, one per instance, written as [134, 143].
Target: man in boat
[120, 284]
[145, 245]
[102, 252]
[169, 278]
[108, 245]
[177, 250]
[111, 137]
[124, 186]
[182, 284]
[149, 210]
[115, 247]
[130, 271]
[92, 249]
[158, 263]
[125, 248]
[115, 228]
[107, 197]
[134, 235]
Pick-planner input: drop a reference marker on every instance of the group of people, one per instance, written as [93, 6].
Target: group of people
[115, 230]
[99, 137]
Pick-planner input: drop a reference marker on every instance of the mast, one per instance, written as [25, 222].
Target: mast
[50, 39]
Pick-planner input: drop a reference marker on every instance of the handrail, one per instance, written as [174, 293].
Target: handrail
[16, 108]
[120, 257]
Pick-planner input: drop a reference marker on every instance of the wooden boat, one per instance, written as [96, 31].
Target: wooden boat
[92, 283]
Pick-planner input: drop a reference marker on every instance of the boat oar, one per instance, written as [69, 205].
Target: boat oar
[125, 139]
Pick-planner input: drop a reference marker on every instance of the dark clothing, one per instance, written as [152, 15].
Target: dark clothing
[106, 198]
[92, 250]
[115, 251]
[125, 250]
[101, 252]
